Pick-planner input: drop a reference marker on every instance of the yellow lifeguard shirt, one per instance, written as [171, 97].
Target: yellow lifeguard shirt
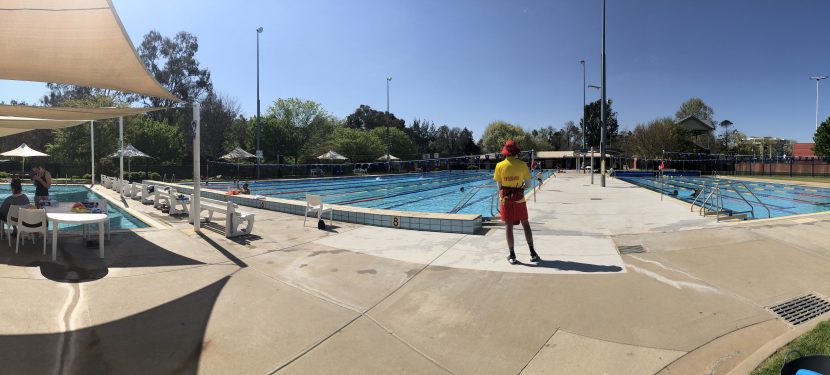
[511, 172]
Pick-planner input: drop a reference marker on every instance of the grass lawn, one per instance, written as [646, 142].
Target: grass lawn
[825, 180]
[813, 342]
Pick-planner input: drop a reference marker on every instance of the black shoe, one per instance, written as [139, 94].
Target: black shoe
[535, 258]
[512, 260]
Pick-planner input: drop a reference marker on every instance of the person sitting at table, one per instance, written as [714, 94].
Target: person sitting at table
[17, 198]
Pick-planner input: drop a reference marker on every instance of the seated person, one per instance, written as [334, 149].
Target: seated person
[17, 198]
[245, 189]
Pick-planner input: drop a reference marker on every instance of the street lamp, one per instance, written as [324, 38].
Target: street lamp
[602, 106]
[593, 87]
[258, 125]
[388, 139]
[817, 79]
[582, 149]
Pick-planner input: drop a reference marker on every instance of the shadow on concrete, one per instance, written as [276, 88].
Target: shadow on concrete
[233, 258]
[77, 263]
[573, 266]
[167, 339]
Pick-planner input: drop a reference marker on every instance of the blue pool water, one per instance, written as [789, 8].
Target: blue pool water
[781, 199]
[427, 192]
[68, 194]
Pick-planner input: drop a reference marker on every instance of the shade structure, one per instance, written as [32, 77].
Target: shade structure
[388, 157]
[331, 155]
[130, 152]
[237, 154]
[79, 42]
[23, 151]
[70, 113]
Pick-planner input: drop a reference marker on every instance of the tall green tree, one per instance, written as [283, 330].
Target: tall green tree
[401, 145]
[422, 133]
[217, 117]
[164, 142]
[649, 140]
[172, 61]
[357, 145]
[366, 118]
[822, 139]
[592, 124]
[498, 132]
[302, 125]
[695, 107]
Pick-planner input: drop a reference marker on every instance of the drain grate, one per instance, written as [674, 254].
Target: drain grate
[801, 309]
[596, 199]
[631, 249]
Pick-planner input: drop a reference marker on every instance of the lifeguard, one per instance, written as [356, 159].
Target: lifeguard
[513, 177]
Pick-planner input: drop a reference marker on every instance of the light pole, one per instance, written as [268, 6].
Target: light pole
[817, 79]
[258, 125]
[602, 106]
[582, 149]
[592, 160]
[388, 139]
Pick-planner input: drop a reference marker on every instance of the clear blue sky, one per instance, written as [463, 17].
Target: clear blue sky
[466, 63]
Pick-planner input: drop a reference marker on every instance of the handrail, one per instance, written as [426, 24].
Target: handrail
[466, 197]
[493, 199]
[769, 213]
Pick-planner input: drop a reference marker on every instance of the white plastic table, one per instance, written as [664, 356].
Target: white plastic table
[64, 215]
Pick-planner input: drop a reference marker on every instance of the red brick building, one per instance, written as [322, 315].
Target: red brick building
[803, 149]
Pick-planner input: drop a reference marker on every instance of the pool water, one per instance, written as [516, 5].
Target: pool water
[781, 199]
[423, 192]
[69, 194]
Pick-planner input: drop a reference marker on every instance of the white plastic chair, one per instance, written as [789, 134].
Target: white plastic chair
[102, 204]
[314, 205]
[31, 221]
[11, 221]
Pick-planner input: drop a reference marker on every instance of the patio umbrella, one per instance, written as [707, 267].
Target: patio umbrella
[388, 157]
[130, 152]
[23, 151]
[237, 154]
[332, 156]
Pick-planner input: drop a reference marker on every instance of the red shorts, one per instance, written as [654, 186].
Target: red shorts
[513, 211]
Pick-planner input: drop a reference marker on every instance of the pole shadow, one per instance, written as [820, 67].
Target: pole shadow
[564, 265]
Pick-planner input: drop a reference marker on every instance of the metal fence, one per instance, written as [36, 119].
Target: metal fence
[738, 165]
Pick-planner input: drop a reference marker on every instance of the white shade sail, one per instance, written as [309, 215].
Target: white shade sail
[130, 152]
[236, 154]
[79, 42]
[331, 155]
[24, 151]
[69, 113]
[388, 157]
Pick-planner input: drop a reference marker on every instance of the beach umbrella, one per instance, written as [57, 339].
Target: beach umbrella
[388, 157]
[237, 154]
[24, 151]
[332, 156]
[130, 152]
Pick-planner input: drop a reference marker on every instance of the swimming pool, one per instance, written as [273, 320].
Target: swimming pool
[67, 194]
[461, 192]
[781, 199]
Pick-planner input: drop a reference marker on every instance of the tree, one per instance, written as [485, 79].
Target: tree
[592, 125]
[822, 139]
[422, 133]
[651, 139]
[498, 132]
[725, 124]
[400, 144]
[303, 125]
[366, 118]
[173, 63]
[164, 142]
[357, 145]
[217, 116]
[695, 107]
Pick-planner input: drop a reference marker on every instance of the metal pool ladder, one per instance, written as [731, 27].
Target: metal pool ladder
[713, 201]
[466, 198]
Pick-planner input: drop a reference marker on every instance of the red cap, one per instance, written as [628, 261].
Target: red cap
[510, 148]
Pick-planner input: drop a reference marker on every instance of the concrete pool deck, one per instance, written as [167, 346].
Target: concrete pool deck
[364, 300]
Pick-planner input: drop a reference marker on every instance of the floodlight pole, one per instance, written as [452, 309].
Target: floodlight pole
[581, 150]
[92, 149]
[258, 125]
[197, 180]
[603, 110]
[121, 151]
[817, 79]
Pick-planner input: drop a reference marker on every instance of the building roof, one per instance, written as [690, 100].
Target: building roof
[695, 124]
[79, 42]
